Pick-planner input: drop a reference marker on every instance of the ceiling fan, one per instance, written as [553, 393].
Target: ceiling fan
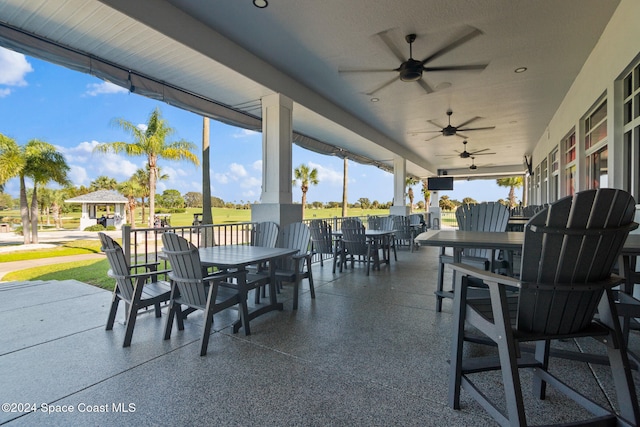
[453, 130]
[466, 154]
[410, 70]
[473, 164]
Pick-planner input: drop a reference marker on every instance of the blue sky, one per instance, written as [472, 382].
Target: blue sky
[74, 111]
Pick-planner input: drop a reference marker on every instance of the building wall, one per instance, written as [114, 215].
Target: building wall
[617, 50]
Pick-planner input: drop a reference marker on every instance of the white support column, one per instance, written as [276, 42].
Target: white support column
[277, 136]
[399, 185]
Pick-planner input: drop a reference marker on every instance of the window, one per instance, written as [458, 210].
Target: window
[595, 147]
[554, 179]
[544, 176]
[631, 130]
[569, 174]
[569, 145]
[595, 126]
[597, 170]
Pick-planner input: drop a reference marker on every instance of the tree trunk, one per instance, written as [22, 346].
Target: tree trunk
[34, 215]
[24, 213]
[512, 196]
[344, 187]
[142, 217]
[153, 174]
[304, 200]
[207, 218]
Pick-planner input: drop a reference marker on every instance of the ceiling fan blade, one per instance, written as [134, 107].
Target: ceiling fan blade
[367, 70]
[392, 47]
[433, 137]
[461, 125]
[425, 86]
[462, 40]
[456, 68]
[379, 88]
[473, 153]
[436, 125]
[461, 136]
[484, 128]
[480, 154]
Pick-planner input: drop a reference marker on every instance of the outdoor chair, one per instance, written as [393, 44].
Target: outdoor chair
[357, 247]
[297, 267]
[403, 232]
[568, 254]
[387, 224]
[138, 290]
[189, 287]
[488, 217]
[322, 241]
[418, 223]
[264, 234]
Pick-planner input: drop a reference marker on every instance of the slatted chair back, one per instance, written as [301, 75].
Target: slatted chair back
[374, 223]
[294, 236]
[402, 231]
[119, 266]
[387, 223]
[351, 222]
[321, 236]
[186, 269]
[569, 248]
[490, 216]
[417, 221]
[354, 240]
[265, 234]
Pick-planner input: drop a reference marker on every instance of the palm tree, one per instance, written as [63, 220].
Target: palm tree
[427, 195]
[153, 144]
[306, 177]
[39, 161]
[103, 183]
[410, 182]
[131, 189]
[513, 183]
[141, 176]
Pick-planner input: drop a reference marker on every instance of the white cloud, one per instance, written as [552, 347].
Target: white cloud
[237, 171]
[257, 165]
[244, 133]
[326, 175]
[221, 178]
[78, 175]
[13, 68]
[251, 182]
[104, 88]
[4, 93]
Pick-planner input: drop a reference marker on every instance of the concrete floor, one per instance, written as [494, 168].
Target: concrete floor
[368, 351]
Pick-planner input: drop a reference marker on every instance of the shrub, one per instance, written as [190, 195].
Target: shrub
[96, 227]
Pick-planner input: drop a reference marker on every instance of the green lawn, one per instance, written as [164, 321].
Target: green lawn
[95, 271]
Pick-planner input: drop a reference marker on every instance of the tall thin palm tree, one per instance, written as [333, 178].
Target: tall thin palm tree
[409, 183]
[131, 189]
[306, 177]
[512, 182]
[152, 143]
[142, 176]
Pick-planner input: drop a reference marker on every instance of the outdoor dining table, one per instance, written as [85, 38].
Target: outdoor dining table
[510, 241]
[378, 235]
[232, 257]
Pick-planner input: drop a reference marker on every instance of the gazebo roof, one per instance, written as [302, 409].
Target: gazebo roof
[100, 196]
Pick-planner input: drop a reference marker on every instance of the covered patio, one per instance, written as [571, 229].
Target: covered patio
[367, 351]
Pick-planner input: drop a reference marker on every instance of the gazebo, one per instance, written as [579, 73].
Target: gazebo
[90, 203]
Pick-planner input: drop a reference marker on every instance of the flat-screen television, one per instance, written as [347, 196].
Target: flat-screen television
[440, 183]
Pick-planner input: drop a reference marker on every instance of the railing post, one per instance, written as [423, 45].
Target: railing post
[126, 241]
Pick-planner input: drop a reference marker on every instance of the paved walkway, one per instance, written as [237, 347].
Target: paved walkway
[9, 240]
[7, 267]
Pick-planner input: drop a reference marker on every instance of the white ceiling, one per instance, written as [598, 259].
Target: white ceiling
[234, 53]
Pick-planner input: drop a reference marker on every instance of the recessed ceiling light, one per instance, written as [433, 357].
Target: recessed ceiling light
[375, 99]
[520, 69]
[260, 3]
